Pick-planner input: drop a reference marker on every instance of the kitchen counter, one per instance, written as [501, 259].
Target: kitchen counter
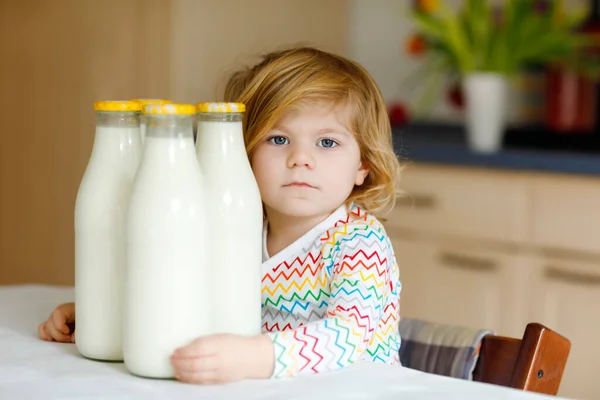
[524, 150]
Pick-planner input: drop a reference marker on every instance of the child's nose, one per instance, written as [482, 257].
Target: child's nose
[300, 157]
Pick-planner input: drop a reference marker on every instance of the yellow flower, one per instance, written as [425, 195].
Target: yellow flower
[427, 6]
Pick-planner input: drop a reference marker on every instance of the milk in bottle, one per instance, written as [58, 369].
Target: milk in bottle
[100, 211]
[144, 103]
[235, 219]
[166, 284]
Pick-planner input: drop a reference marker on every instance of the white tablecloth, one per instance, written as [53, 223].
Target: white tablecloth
[33, 369]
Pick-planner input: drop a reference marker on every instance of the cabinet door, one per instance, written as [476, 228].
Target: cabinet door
[462, 285]
[468, 202]
[564, 213]
[413, 258]
[567, 300]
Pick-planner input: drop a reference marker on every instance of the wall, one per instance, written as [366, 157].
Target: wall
[211, 38]
[60, 57]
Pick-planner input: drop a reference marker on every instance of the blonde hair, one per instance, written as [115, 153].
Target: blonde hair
[290, 78]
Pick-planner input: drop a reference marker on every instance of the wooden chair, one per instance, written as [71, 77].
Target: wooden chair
[534, 363]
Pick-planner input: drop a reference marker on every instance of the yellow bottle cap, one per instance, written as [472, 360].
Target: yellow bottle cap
[117, 105]
[216, 107]
[145, 102]
[169, 109]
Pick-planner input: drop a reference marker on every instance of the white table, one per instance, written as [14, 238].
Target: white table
[33, 369]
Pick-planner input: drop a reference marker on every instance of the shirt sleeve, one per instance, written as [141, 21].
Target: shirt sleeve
[360, 272]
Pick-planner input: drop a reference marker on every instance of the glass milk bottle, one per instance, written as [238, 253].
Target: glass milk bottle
[166, 285]
[100, 212]
[144, 103]
[236, 219]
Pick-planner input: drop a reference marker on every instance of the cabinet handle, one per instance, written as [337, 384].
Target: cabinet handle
[579, 278]
[466, 262]
[420, 201]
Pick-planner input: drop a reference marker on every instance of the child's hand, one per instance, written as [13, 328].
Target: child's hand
[223, 358]
[58, 326]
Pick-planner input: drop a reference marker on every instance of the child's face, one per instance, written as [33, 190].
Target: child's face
[308, 164]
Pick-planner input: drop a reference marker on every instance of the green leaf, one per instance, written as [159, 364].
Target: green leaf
[477, 22]
[428, 26]
[457, 38]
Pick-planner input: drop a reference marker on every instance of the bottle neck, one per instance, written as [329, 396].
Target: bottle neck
[115, 119]
[117, 138]
[220, 117]
[221, 129]
[169, 142]
[169, 126]
[220, 139]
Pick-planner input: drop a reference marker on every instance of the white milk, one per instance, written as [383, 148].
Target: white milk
[236, 225]
[100, 211]
[166, 297]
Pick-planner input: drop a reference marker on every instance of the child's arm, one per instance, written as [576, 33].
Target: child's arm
[362, 268]
[363, 274]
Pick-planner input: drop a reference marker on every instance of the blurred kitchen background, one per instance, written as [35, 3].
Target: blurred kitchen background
[489, 235]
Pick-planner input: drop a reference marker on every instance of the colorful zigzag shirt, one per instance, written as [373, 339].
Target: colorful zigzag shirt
[331, 298]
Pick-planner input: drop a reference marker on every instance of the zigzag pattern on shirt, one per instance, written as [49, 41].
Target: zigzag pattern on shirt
[286, 275]
[336, 301]
[284, 303]
[313, 283]
[311, 315]
[289, 266]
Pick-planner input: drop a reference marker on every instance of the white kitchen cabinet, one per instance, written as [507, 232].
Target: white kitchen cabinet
[566, 298]
[488, 249]
[463, 285]
[471, 203]
[566, 213]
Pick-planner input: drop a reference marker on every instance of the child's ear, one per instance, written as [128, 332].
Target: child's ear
[361, 174]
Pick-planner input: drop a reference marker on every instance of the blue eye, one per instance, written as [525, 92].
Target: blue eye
[278, 140]
[327, 143]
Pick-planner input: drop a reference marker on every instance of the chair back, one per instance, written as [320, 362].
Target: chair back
[535, 362]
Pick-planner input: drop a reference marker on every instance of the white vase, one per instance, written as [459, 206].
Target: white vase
[486, 110]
